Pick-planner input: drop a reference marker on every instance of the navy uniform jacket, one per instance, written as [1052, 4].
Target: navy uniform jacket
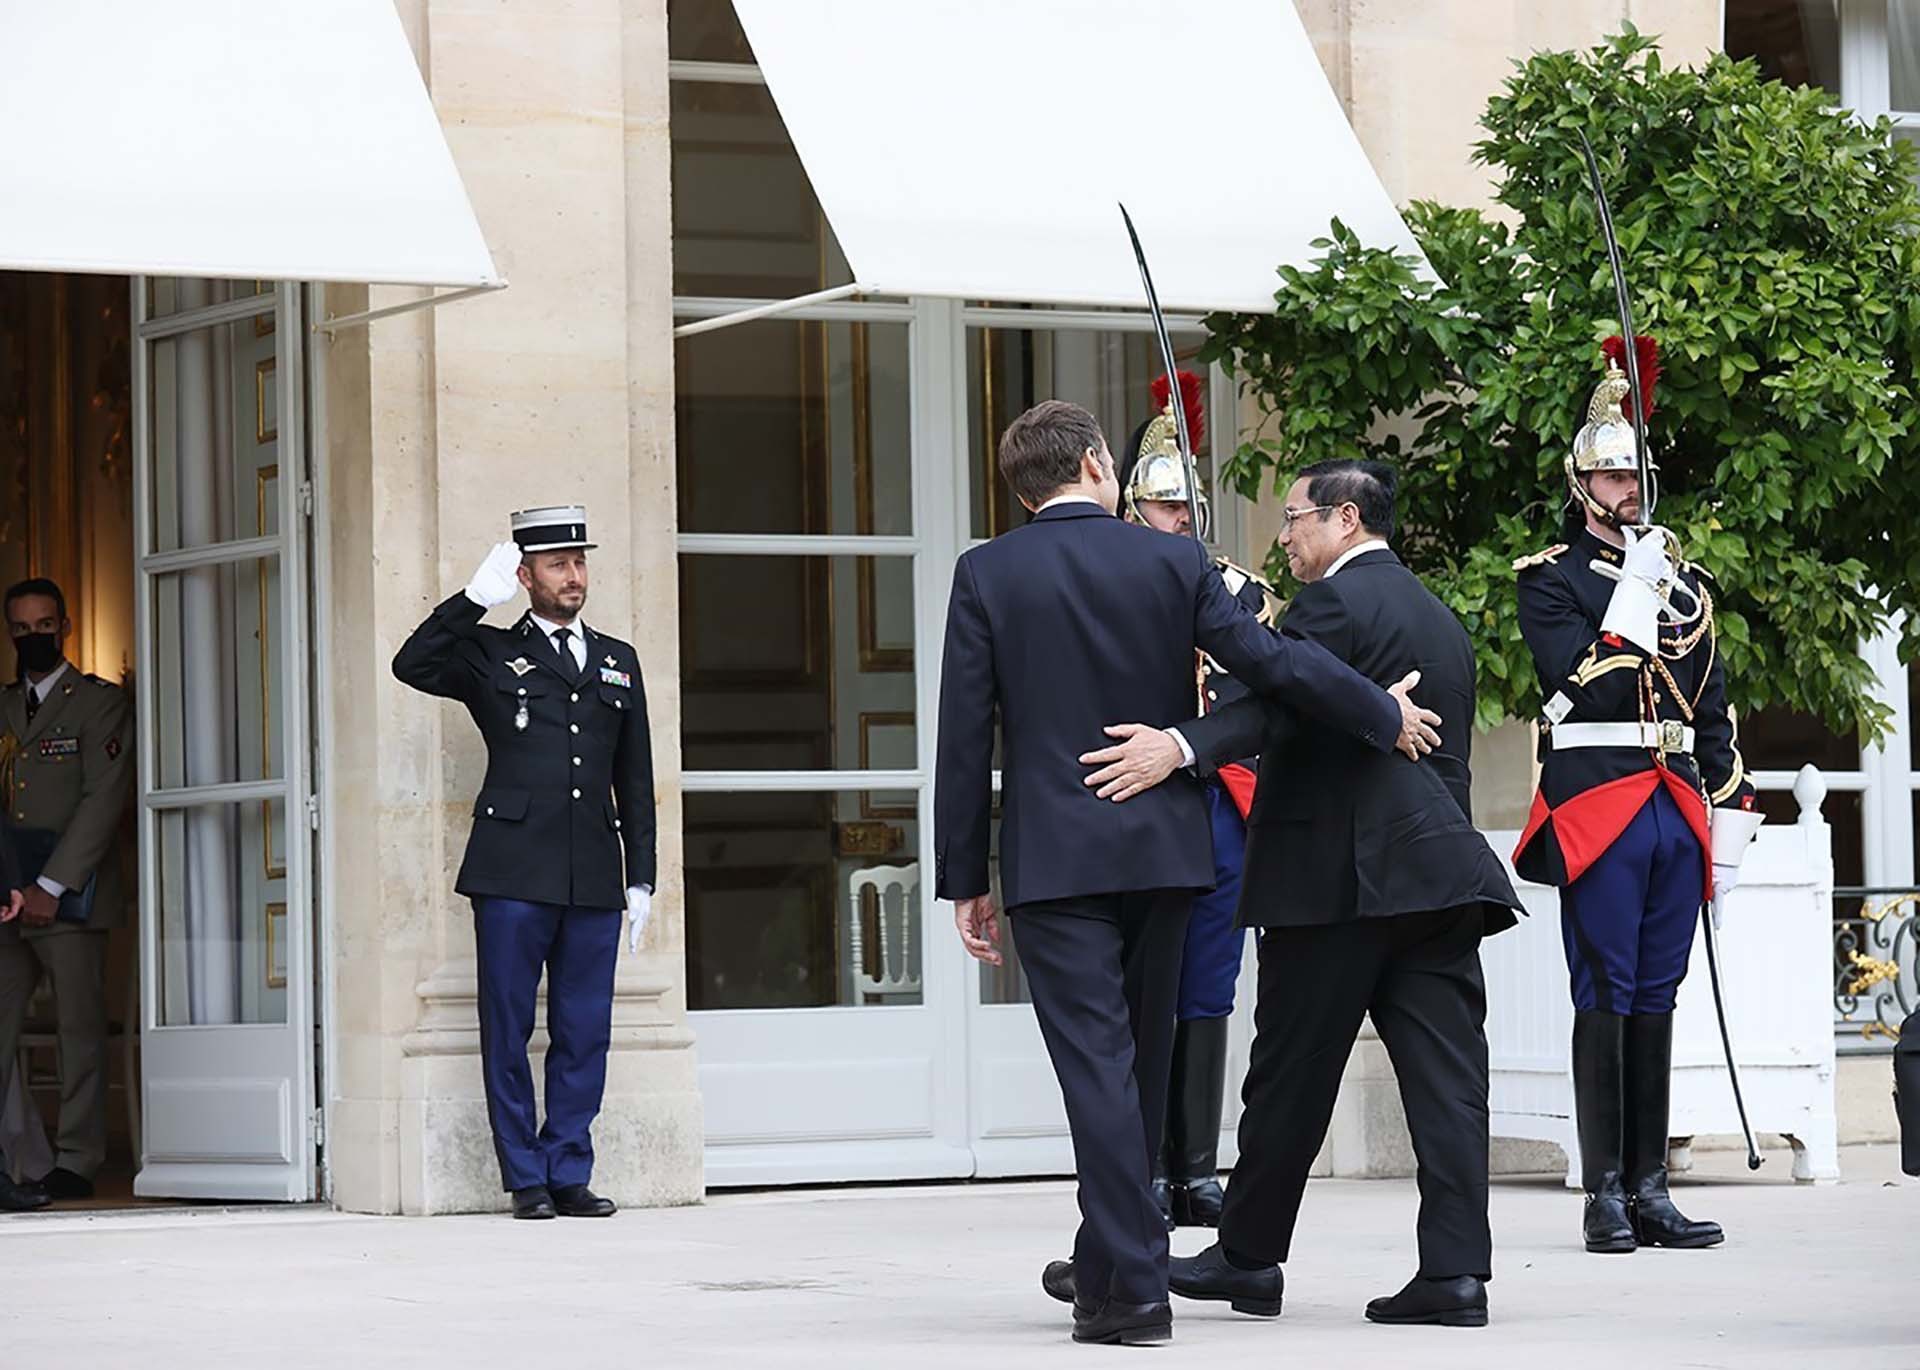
[1340, 832]
[1069, 623]
[570, 794]
[1588, 795]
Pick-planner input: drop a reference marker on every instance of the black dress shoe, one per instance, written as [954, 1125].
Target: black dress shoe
[1210, 1275]
[1163, 1200]
[1656, 1222]
[61, 1183]
[1604, 1221]
[1123, 1324]
[1457, 1302]
[1057, 1280]
[533, 1202]
[21, 1198]
[577, 1201]
[1198, 1203]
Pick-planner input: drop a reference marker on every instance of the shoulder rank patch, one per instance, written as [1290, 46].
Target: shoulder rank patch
[1541, 558]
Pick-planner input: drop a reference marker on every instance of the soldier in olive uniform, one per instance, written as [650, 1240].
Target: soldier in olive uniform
[66, 764]
[562, 840]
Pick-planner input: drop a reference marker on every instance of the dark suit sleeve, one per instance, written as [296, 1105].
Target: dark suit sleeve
[963, 768]
[435, 659]
[1253, 724]
[1295, 672]
[633, 787]
[9, 871]
[1599, 674]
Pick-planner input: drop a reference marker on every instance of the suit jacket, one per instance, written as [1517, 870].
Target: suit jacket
[9, 871]
[1338, 831]
[1060, 627]
[569, 784]
[66, 776]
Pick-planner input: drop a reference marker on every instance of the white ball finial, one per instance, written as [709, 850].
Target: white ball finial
[1810, 792]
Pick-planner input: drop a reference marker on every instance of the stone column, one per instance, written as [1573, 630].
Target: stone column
[546, 393]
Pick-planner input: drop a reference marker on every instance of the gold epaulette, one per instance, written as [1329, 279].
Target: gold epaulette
[1237, 578]
[1544, 558]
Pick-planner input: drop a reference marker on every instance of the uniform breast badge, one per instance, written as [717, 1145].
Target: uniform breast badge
[609, 676]
[519, 665]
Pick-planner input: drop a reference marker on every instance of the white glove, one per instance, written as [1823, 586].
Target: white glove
[498, 579]
[1633, 613]
[1724, 880]
[639, 910]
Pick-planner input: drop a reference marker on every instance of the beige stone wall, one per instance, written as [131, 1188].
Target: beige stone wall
[438, 424]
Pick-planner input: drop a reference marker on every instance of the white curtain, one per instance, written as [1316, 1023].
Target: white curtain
[204, 448]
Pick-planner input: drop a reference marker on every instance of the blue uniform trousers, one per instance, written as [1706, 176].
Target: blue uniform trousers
[1627, 922]
[514, 941]
[1211, 965]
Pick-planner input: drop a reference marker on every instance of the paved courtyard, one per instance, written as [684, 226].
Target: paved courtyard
[948, 1276]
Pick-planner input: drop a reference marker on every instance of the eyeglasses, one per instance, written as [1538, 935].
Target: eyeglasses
[1292, 516]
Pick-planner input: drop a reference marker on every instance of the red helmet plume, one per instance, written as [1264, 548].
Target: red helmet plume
[1189, 400]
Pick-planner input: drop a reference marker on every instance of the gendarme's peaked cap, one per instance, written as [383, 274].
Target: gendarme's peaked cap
[557, 528]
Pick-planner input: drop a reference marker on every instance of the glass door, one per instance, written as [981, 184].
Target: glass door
[225, 873]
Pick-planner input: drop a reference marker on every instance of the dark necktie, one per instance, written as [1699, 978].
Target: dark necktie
[33, 702]
[562, 638]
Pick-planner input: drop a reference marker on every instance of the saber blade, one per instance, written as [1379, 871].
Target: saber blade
[1173, 379]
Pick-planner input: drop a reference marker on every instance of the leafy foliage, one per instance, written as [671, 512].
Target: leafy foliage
[1769, 243]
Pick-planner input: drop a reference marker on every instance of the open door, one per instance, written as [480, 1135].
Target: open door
[221, 502]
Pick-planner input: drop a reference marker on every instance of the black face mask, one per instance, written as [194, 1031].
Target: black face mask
[38, 652]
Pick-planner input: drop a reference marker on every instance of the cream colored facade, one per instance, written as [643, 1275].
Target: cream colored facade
[561, 389]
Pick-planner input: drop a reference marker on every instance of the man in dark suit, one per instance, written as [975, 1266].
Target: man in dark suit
[1058, 626]
[1373, 890]
[566, 805]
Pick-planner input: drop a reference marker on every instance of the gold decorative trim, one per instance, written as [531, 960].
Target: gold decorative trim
[1596, 666]
[277, 909]
[266, 427]
[882, 718]
[1726, 791]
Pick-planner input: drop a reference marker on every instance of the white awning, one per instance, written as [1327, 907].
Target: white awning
[978, 148]
[249, 139]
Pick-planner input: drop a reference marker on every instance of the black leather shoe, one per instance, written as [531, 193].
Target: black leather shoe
[1057, 1280]
[1604, 1223]
[61, 1183]
[577, 1201]
[533, 1202]
[1163, 1200]
[21, 1198]
[1457, 1302]
[1198, 1203]
[1123, 1324]
[1211, 1276]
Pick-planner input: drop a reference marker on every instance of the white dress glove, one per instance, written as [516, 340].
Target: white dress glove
[1724, 880]
[639, 910]
[1633, 613]
[498, 579]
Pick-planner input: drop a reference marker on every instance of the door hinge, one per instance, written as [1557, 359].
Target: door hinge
[306, 498]
[317, 1127]
[313, 812]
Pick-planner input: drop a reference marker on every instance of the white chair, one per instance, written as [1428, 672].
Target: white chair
[898, 974]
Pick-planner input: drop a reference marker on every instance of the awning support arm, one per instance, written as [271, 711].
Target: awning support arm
[765, 311]
[365, 316]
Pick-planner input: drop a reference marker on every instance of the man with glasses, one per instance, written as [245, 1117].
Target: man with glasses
[1058, 627]
[1372, 891]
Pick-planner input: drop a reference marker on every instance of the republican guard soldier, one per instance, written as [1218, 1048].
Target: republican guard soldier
[1643, 809]
[1186, 1183]
[562, 840]
[66, 765]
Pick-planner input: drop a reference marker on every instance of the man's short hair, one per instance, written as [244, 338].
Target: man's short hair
[38, 585]
[1040, 451]
[1369, 486]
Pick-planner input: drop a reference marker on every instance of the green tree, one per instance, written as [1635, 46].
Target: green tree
[1770, 247]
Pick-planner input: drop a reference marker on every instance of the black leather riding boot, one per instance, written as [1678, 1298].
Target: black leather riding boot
[1599, 1097]
[1649, 1062]
[1193, 1141]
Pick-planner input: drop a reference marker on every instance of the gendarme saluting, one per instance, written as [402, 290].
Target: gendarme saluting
[562, 841]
